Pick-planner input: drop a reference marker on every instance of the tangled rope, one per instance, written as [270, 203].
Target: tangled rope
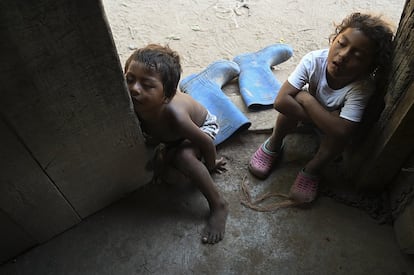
[246, 200]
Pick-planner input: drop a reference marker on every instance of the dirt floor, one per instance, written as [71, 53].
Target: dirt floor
[203, 31]
[206, 31]
[157, 229]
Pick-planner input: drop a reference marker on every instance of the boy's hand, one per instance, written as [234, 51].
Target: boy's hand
[219, 167]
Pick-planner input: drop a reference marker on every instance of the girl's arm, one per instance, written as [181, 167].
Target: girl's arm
[303, 106]
[287, 104]
[328, 122]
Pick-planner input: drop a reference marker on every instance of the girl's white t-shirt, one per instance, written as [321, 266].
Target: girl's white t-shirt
[310, 74]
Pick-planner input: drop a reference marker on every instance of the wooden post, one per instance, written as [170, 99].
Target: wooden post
[390, 142]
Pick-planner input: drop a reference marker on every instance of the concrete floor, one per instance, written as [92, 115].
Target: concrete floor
[156, 230]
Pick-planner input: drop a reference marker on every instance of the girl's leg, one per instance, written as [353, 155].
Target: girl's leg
[305, 187]
[263, 160]
[328, 149]
[283, 126]
[187, 161]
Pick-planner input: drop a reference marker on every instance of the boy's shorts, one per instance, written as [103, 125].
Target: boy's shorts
[210, 126]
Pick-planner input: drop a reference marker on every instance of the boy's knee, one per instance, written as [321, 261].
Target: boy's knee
[184, 156]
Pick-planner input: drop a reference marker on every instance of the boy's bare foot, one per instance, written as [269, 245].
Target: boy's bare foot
[216, 224]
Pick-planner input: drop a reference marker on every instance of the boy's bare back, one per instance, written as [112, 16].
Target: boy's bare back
[176, 119]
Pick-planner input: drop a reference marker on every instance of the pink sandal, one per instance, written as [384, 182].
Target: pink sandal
[305, 188]
[262, 161]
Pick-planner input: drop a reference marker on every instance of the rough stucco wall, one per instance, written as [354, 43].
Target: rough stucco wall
[63, 99]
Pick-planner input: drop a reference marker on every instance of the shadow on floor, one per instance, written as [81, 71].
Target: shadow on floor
[157, 230]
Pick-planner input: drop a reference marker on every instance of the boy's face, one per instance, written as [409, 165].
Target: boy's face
[145, 87]
[351, 56]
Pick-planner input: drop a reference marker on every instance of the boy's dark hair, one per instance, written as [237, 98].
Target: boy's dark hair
[377, 30]
[162, 60]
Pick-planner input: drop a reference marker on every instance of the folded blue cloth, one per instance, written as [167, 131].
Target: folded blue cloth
[205, 87]
[258, 85]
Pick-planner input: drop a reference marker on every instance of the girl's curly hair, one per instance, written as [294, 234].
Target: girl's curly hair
[377, 30]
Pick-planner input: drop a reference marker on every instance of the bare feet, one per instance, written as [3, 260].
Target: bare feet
[214, 230]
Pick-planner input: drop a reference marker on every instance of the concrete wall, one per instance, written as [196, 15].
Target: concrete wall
[70, 143]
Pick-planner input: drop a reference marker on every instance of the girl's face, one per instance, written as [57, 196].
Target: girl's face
[350, 57]
[145, 87]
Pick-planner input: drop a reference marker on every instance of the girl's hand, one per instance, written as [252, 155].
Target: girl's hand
[219, 167]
